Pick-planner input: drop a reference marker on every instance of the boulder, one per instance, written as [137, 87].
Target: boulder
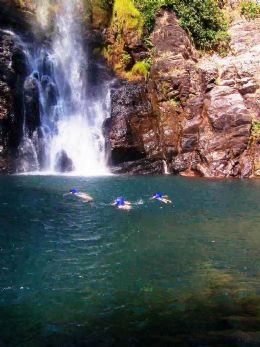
[63, 163]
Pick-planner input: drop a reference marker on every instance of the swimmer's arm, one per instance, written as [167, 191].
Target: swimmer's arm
[128, 203]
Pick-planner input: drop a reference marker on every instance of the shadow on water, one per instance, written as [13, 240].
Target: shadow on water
[224, 311]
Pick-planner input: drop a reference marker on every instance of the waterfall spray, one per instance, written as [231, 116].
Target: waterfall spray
[165, 168]
[79, 127]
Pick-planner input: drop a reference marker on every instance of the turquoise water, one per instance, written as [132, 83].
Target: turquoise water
[76, 274]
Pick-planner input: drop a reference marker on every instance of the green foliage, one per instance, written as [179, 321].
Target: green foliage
[21, 3]
[255, 130]
[126, 26]
[106, 4]
[148, 9]
[203, 20]
[126, 16]
[250, 9]
[139, 70]
[173, 102]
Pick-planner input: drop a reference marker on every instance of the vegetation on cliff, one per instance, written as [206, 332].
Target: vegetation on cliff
[250, 9]
[132, 21]
[255, 130]
[204, 20]
[124, 35]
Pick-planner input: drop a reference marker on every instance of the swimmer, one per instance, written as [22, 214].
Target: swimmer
[163, 198]
[122, 204]
[83, 196]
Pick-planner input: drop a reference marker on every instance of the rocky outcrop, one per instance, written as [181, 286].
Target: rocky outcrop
[235, 101]
[194, 114]
[132, 131]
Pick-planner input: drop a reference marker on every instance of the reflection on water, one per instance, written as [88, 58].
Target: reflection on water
[76, 274]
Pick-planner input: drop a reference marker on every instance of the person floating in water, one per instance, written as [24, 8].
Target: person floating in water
[122, 203]
[83, 196]
[163, 198]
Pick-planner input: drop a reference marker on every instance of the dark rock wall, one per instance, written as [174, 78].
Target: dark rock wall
[13, 70]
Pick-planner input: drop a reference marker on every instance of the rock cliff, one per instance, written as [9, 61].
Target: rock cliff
[200, 116]
[13, 68]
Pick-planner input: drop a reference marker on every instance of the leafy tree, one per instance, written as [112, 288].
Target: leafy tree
[202, 19]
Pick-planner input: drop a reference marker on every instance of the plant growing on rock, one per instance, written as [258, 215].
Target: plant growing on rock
[139, 70]
[255, 130]
[125, 32]
[126, 16]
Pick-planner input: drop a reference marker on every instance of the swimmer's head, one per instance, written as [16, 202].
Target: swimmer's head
[157, 195]
[73, 191]
[120, 201]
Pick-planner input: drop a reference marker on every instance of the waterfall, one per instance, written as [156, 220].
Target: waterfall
[72, 103]
[165, 168]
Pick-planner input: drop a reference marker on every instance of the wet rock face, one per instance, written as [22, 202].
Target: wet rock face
[31, 104]
[194, 114]
[132, 131]
[12, 74]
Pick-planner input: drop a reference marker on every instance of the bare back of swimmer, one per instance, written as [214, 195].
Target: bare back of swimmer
[122, 204]
[163, 198]
[83, 196]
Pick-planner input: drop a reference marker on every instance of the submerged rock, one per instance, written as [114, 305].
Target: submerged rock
[63, 162]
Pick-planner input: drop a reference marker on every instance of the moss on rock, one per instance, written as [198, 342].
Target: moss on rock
[126, 17]
[141, 69]
[124, 35]
[100, 14]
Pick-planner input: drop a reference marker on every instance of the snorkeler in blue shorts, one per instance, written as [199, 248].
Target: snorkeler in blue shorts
[163, 198]
[122, 204]
[83, 196]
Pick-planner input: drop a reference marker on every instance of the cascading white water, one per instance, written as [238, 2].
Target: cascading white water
[79, 127]
[165, 168]
[72, 110]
